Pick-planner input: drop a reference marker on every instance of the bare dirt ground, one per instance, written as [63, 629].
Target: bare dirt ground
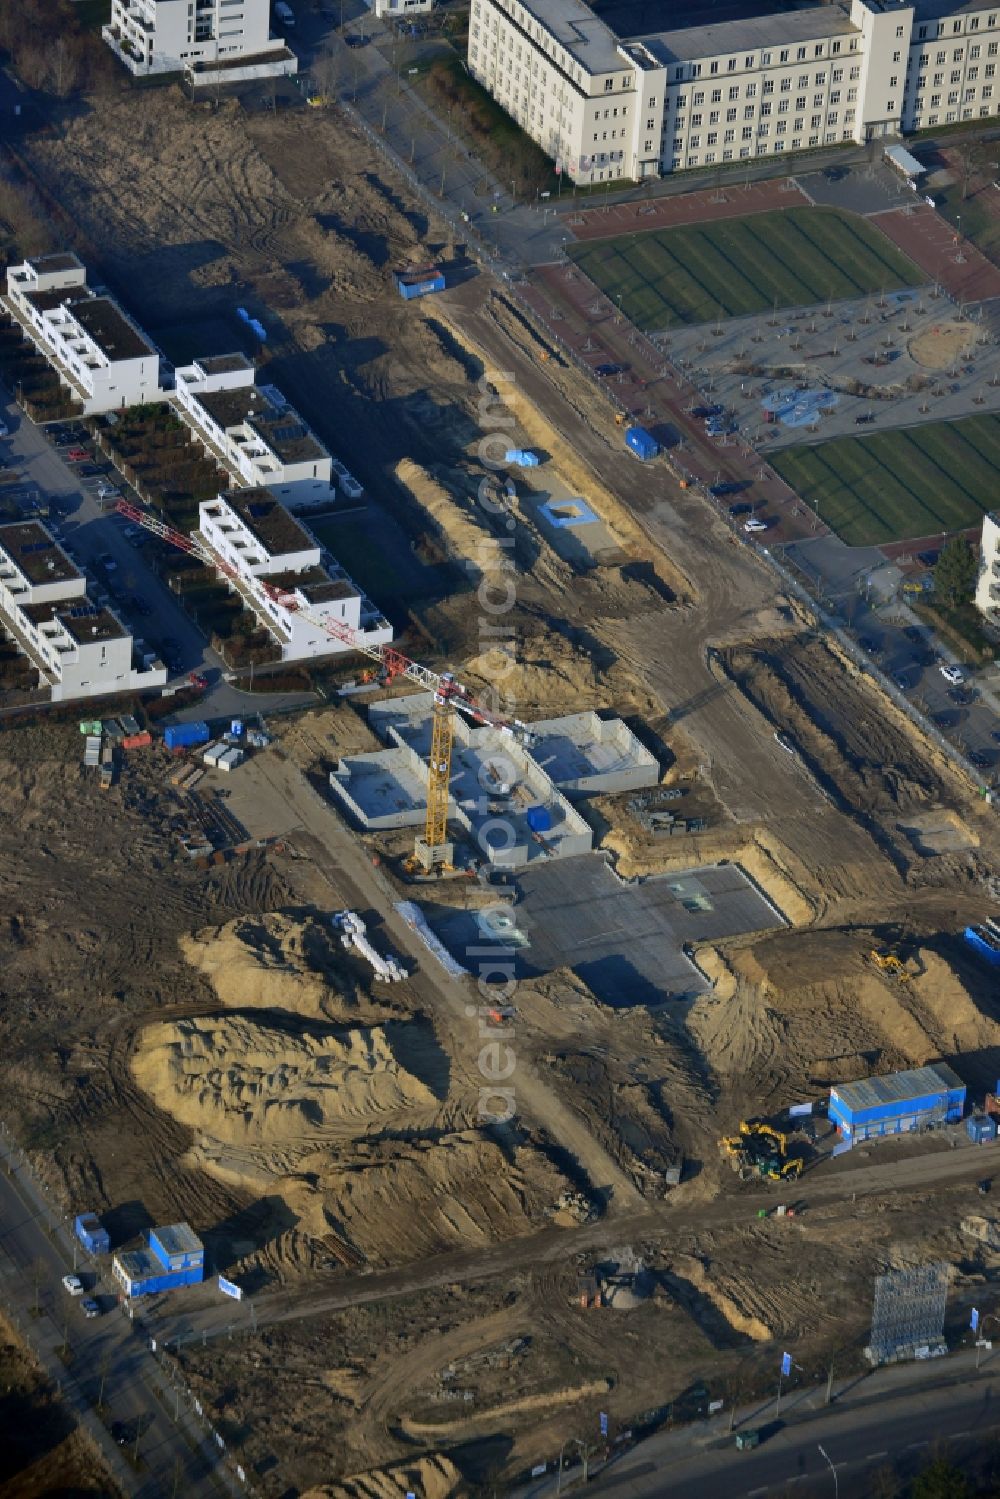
[340, 1136]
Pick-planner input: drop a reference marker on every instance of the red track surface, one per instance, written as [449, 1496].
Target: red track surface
[569, 306]
[687, 208]
[932, 244]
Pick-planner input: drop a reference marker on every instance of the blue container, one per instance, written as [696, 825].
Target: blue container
[177, 1247]
[642, 443]
[183, 735]
[412, 284]
[981, 1128]
[985, 943]
[92, 1234]
[522, 458]
[539, 819]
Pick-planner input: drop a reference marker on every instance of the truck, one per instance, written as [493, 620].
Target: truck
[283, 14]
[642, 443]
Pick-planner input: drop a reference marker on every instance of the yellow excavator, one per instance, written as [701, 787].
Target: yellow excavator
[760, 1150]
[888, 961]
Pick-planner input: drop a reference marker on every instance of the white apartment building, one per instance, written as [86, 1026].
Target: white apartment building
[253, 431]
[605, 107]
[250, 531]
[169, 36]
[987, 596]
[398, 10]
[79, 648]
[94, 347]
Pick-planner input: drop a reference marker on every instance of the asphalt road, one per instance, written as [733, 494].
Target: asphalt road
[88, 530]
[174, 1456]
[858, 1441]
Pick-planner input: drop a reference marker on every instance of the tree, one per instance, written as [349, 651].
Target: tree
[955, 573]
[941, 1480]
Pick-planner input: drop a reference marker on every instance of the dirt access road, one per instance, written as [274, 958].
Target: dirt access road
[671, 1224]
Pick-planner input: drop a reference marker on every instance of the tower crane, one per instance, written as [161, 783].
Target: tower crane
[450, 696]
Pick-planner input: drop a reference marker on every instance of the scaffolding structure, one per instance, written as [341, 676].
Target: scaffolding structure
[908, 1314]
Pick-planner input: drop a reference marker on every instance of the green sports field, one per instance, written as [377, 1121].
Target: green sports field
[699, 272]
[896, 485]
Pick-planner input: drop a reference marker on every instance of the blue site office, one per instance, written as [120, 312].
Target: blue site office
[897, 1103]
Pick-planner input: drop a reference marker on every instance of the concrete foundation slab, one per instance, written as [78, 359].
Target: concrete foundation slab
[626, 941]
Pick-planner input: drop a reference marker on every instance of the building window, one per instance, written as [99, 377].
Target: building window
[731, 114]
[713, 68]
[783, 55]
[609, 84]
[734, 93]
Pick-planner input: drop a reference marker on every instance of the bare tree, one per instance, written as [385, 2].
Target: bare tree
[64, 66]
[327, 71]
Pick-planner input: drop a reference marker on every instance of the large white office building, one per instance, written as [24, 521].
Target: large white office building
[172, 36]
[606, 107]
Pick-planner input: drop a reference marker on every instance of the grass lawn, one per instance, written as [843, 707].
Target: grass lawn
[699, 272]
[894, 485]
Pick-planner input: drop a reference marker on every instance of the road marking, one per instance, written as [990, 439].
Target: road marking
[873, 1457]
[914, 1446]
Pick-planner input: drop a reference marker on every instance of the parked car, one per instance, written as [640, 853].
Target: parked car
[951, 673]
[981, 759]
[963, 695]
[869, 646]
[864, 419]
[92, 470]
[754, 524]
[78, 455]
[609, 369]
[914, 634]
[73, 1284]
[89, 1307]
[705, 412]
[743, 508]
[107, 563]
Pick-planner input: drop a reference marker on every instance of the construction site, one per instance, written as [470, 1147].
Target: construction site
[646, 829]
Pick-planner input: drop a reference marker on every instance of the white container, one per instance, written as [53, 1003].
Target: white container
[229, 759]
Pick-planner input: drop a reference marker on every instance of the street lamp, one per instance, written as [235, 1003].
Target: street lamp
[833, 1469]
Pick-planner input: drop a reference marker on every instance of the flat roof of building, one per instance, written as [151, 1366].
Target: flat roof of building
[58, 260]
[281, 428]
[88, 622]
[179, 1238]
[33, 550]
[897, 1087]
[138, 1264]
[588, 39]
[719, 37]
[110, 329]
[315, 584]
[223, 364]
[268, 521]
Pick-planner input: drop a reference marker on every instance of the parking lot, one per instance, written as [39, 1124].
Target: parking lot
[866, 591]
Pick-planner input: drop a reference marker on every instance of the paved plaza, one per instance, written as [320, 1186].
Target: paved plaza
[808, 374]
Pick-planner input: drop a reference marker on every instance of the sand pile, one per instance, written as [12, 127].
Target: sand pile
[272, 962]
[548, 675]
[239, 1081]
[433, 1477]
[465, 537]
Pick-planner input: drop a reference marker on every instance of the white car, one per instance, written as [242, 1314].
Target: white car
[753, 524]
[73, 1284]
[951, 673]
